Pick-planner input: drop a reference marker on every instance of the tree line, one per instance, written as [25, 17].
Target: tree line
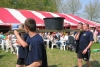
[91, 10]
[43, 5]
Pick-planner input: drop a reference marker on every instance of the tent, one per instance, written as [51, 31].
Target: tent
[91, 23]
[16, 16]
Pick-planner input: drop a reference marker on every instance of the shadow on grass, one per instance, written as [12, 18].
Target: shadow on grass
[93, 63]
[1, 56]
[52, 66]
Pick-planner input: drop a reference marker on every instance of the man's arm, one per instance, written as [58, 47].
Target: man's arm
[18, 43]
[35, 64]
[20, 40]
[91, 40]
[76, 37]
[90, 44]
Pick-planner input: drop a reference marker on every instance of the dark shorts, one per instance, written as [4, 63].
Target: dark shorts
[85, 57]
[20, 61]
[26, 64]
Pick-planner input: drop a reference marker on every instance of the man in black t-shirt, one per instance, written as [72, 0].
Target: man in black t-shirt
[77, 36]
[36, 56]
[85, 42]
[21, 49]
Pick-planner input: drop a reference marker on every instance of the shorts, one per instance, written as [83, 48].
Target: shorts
[26, 64]
[20, 61]
[85, 57]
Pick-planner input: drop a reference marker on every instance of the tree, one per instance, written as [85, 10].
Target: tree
[38, 5]
[59, 5]
[92, 10]
[70, 6]
[50, 6]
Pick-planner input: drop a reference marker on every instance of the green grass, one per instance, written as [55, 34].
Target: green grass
[56, 58]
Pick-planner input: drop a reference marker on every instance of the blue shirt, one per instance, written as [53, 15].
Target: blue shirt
[36, 51]
[21, 51]
[85, 39]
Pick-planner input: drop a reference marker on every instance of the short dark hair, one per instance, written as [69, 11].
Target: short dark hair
[81, 23]
[31, 24]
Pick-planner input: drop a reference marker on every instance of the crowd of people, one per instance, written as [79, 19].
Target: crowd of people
[8, 41]
[53, 37]
[58, 38]
[31, 45]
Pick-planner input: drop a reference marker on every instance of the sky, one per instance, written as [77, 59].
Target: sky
[84, 2]
[81, 12]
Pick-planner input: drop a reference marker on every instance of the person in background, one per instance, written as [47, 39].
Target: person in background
[66, 39]
[55, 36]
[99, 38]
[48, 36]
[68, 27]
[2, 40]
[21, 49]
[77, 35]
[8, 43]
[95, 35]
[98, 30]
[58, 35]
[1, 34]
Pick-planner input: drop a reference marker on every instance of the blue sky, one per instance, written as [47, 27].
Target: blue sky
[84, 2]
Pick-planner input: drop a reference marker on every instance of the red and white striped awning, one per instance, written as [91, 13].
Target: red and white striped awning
[13, 16]
[91, 23]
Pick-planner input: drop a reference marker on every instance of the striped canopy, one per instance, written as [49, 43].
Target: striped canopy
[13, 16]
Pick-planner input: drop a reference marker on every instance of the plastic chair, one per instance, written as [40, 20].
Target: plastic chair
[53, 44]
[63, 45]
[71, 43]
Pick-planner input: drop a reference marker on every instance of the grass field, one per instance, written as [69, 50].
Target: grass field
[56, 58]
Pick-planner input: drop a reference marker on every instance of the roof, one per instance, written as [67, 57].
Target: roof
[14, 16]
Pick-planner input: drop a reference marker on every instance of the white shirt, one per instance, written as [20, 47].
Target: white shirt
[66, 37]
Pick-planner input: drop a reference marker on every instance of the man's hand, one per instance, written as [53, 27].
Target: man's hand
[78, 33]
[77, 36]
[84, 51]
[16, 33]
